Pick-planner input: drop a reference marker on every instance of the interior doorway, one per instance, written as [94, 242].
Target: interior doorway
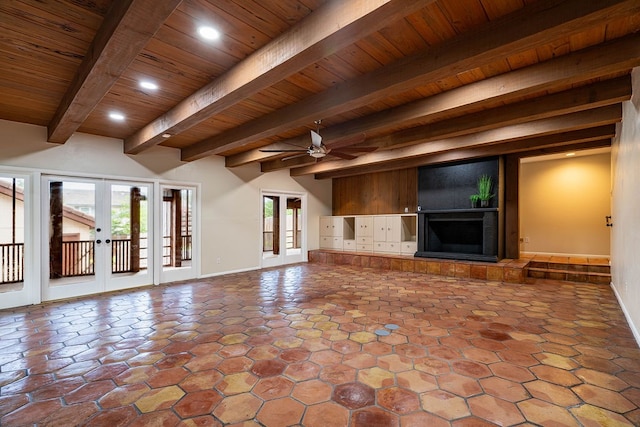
[283, 228]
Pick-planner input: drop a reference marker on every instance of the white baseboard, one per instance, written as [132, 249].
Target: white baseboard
[634, 330]
[224, 273]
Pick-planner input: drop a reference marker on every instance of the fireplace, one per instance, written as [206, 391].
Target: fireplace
[448, 227]
[458, 234]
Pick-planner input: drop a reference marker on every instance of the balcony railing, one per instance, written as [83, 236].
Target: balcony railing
[78, 258]
[12, 259]
[267, 240]
[167, 250]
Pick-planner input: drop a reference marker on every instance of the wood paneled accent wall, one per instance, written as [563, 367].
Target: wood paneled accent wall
[376, 193]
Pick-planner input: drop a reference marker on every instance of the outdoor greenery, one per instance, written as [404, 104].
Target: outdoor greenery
[121, 219]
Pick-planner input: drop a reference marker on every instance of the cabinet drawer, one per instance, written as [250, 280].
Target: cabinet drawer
[409, 248]
[337, 243]
[363, 247]
[365, 241]
[349, 245]
[326, 242]
[393, 247]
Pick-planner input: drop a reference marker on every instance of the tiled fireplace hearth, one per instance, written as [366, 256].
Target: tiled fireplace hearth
[505, 270]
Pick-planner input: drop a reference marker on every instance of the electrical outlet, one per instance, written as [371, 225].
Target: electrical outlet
[526, 240]
[218, 260]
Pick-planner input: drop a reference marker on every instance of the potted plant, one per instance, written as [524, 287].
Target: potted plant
[485, 185]
[475, 199]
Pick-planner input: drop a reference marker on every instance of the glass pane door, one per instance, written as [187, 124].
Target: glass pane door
[283, 240]
[73, 237]
[97, 235]
[15, 280]
[178, 257]
[130, 238]
[294, 226]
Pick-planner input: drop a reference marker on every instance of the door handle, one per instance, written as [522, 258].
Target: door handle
[608, 219]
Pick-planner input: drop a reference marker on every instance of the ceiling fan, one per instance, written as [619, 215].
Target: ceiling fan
[318, 150]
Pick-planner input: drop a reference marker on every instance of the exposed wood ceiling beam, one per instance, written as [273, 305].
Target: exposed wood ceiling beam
[334, 26]
[600, 94]
[565, 123]
[575, 140]
[536, 24]
[579, 146]
[273, 165]
[580, 66]
[125, 31]
[251, 156]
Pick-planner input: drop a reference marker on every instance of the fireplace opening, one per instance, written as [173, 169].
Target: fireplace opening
[461, 236]
[466, 234]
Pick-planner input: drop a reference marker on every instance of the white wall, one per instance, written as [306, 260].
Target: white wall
[625, 159]
[230, 198]
[563, 204]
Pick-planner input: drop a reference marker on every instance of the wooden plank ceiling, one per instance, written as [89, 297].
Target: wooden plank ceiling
[395, 83]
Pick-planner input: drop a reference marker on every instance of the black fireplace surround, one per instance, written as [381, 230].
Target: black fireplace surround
[448, 227]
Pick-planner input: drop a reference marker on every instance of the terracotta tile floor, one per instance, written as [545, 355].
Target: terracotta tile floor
[317, 345]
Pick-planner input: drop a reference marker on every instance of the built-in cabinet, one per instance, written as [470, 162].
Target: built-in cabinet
[331, 232]
[392, 234]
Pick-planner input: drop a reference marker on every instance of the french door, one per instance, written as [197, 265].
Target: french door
[97, 236]
[18, 284]
[178, 224]
[283, 228]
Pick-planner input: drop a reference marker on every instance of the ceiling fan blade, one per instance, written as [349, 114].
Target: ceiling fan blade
[347, 141]
[284, 151]
[360, 149]
[293, 157]
[344, 156]
[316, 139]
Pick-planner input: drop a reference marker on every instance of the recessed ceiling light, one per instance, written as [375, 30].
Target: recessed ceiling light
[570, 154]
[146, 84]
[166, 135]
[116, 116]
[208, 33]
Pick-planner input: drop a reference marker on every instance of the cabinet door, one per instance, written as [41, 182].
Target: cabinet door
[326, 223]
[364, 226]
[394, 229]
[380, 228]
[336, 226]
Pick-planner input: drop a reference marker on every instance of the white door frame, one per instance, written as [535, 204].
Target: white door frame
[103, 280]
[172, 274]
[29, 292]
[283, 259]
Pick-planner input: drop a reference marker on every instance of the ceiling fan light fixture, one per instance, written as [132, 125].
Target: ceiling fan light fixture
[317, 152]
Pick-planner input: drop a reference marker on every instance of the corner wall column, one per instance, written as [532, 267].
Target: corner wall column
[512, 216]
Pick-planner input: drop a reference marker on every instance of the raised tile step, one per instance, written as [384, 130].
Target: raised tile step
[584, 273]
